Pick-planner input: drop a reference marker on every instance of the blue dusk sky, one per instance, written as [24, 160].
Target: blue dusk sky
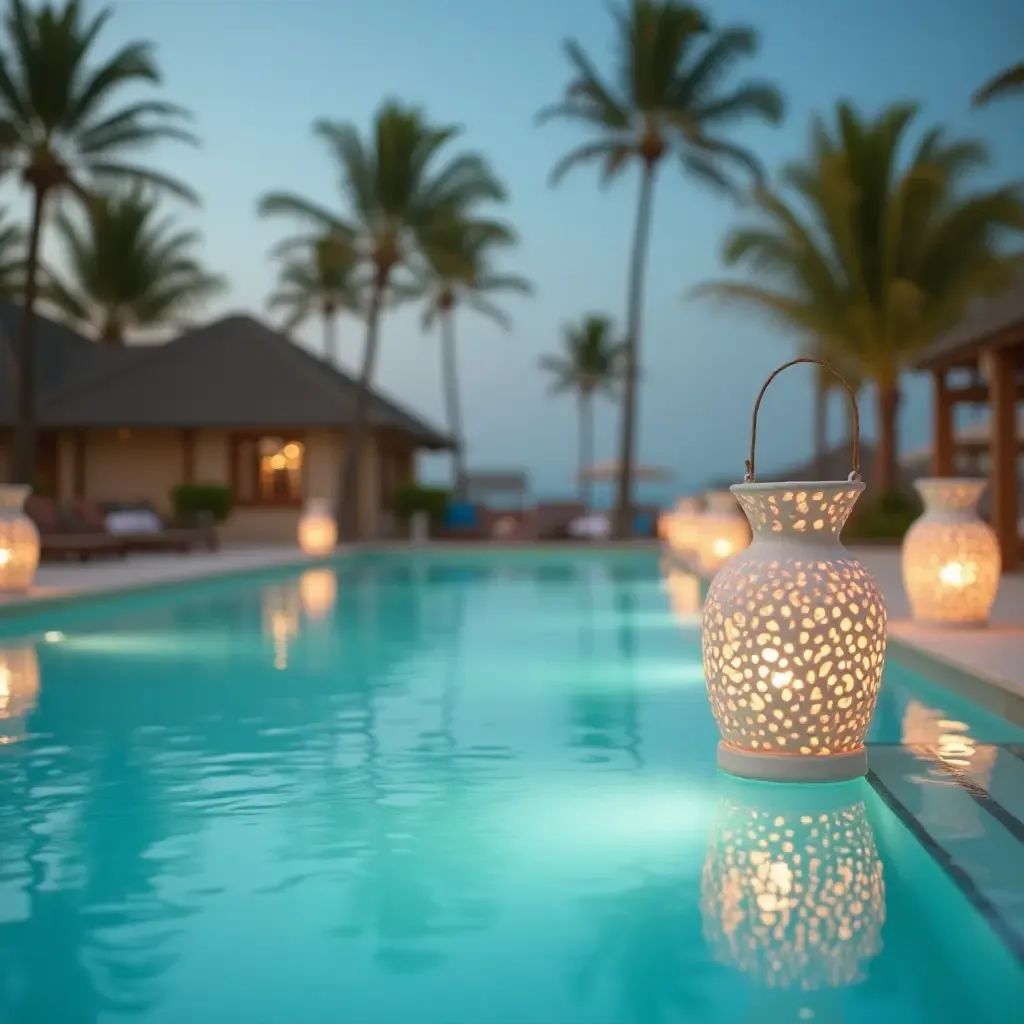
[258, 72]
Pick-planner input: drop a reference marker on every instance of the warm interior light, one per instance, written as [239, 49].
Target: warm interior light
[951, 558]
[722, 548]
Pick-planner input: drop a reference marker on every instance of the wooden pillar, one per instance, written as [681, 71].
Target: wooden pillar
[79, 484]
[188, 456]
[942, 426]
[1003, 483]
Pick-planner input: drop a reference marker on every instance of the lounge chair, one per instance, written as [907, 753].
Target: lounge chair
[139, 528]
[59, 539]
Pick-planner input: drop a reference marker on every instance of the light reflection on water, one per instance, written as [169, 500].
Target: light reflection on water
[434, 793]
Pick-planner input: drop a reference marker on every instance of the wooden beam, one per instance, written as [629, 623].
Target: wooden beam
[1004, 482]
[942, 426]
[978, 394]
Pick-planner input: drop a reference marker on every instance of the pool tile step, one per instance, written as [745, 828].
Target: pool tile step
[969, 805]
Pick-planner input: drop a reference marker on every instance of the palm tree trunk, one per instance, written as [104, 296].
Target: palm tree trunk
[453, 413]
[349, 520]
[331, 336]
[623, 520]
[25, 433]
[888, 413]
[586, 453]
[820, 428]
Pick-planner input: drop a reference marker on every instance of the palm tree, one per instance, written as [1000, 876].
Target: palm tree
[870, 260]
[12, 259]
[61, 131]
[670, 98]
[128, 270]
[459, 273]
[317, 281]
[1006, 82]
[397, 192]
[590, 363]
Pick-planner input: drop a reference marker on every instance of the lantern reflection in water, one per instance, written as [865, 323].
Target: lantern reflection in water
[281, 608]
[318, 590]
[948, 753]
[792, 891]
[685, 594]
[19, 688]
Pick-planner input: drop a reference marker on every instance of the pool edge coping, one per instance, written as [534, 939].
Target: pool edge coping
[28, 606]
[983, 688]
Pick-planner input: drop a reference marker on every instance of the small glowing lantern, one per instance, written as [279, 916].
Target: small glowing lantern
[793, 633]
[19, 687]
[792, 892]
[318, 532]
[951, 559]
[683, 528]
[19, 540]
[722, 532]
[318, 590]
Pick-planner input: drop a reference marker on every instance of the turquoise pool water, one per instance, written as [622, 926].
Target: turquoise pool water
[453, 790]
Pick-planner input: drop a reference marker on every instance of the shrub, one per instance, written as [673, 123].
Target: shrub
[196, 501]
[888, 517]
[414, 498]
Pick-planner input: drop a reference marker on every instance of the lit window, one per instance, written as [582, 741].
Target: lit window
[268, 470]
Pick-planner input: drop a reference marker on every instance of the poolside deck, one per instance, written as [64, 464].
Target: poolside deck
[993, 655]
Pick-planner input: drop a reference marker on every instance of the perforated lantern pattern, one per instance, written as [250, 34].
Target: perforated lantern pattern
[951, 557]
[794, 899]
[793, 631]
[19, 540]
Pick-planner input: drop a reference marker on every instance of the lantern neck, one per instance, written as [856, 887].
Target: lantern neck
[13, 496]
[807, 513]
[956, 496]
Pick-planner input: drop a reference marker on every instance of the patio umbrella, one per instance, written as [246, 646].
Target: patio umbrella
[609, 470]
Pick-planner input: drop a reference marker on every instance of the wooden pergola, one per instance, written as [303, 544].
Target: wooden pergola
[981, 362]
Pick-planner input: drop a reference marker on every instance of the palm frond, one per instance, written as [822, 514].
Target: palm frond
[1008, 81]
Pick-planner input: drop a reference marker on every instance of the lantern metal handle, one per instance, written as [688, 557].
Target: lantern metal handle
[855, 475]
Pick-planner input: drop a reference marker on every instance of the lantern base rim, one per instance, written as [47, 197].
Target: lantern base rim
[751, 764]
[927, 623]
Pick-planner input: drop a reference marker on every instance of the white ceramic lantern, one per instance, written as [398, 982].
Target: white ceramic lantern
[318, 531]
[723, 531]
[792, 892]
[951, 558]
[19, 540]
[793, 635]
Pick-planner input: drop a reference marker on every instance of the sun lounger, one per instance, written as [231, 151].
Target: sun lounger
[58, 540]
[140, 528]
